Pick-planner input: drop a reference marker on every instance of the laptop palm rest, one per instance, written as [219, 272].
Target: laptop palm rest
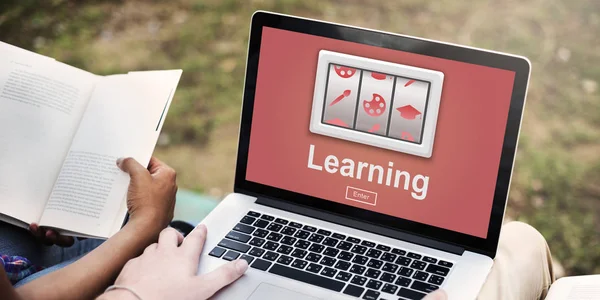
[267, 291]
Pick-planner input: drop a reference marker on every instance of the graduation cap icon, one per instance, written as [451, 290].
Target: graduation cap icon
[408, 112]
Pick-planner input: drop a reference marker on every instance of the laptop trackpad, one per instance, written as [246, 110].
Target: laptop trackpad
[267, 291]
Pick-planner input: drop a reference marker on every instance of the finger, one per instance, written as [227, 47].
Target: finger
[169, 238]
[50, 236]
[136, 171]
[194, 242]
[35, 229]
[155, 164]
[224, 275]
[64, 241]
[437, 295]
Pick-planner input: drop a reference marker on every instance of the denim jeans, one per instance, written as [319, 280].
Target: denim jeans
[18, 241]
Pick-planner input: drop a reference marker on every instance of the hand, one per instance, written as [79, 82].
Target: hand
[50, 237]
[437, 295]
[168, 271]
[151, 194]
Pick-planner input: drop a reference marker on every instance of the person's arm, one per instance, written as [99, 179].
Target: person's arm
[151, 200]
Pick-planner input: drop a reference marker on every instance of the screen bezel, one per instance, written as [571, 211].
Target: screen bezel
[519, 65]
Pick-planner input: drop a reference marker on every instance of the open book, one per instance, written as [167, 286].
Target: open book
[61, 132]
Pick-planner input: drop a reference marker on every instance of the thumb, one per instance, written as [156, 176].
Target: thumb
[214, 281]
[136, 171]
[437, 295]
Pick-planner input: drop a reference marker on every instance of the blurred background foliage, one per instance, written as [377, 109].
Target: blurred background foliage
[556, 184]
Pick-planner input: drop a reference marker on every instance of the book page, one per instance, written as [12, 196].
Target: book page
[123, 119]
[41, 104]
[575, 288]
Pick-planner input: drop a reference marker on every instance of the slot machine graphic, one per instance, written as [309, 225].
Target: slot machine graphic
[376, 103]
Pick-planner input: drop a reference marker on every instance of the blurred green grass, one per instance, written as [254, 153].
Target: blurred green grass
[556, 181]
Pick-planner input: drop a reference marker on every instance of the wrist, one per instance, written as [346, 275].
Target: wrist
[147, 224]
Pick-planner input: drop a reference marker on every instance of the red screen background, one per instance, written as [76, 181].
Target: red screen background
[466, 153]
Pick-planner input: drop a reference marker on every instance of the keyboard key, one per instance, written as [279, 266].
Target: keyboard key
[243, 228]
[316, 248]
[272, 256]
[372, 273]
[307, 277]
[338, 236]
[267, 217]
[296, 225]
[230, 255]
[374, 284]
[358, 249]
[419, 265]
[324, 232]
[404, 271]
[419, 275]
[248, 258]
[274, 227]
[256, 242]
[359, 280]
[368, 244]
[444, 263]
[388, 277]
[302, 244]
[344, 245]
[331, 242]
[373, 263]
[343, 276]
[389, 257]
[300, 264]
[390, 268]
[328, 261]
[288, 240]
[238, 236]
[437, 270]
[389, 288]
[257, 252]
[329, 272]
[373, 253]
[345, 255]
[261, 233]
[253, 214]
[331, 252]
[353, 240]
[303, 234]
[403, 261]
[271, 246]
[356, 269]
[412, 295]
[316, 238]
[283, 249]
[247, 220]
[261, 223]
[299, 253]
[414, 255]
[281, 221]
[342, 265]
[436, 279]
[359, 259]
[260, 264]
[371, 295]
[403, 281]
[314, 268]
[383, 248]
[233, 245]
[429, 259]
[314, 257]
[289, 230]
[275, 237]
[398, 251]
[424, 287]
[353, 290]
[309, 228]
[217, 252]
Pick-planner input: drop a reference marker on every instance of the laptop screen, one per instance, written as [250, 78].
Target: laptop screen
[407, 135]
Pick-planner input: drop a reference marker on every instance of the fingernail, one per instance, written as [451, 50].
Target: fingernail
[119, 161]
[241, 265]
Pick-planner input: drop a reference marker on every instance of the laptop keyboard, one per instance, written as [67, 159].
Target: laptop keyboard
[331, 260]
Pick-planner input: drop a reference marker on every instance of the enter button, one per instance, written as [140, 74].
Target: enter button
[360, 195]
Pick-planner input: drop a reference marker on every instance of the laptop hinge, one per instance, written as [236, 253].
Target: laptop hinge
[360, 225]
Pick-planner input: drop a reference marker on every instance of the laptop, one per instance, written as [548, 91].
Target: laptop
[371, 165]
